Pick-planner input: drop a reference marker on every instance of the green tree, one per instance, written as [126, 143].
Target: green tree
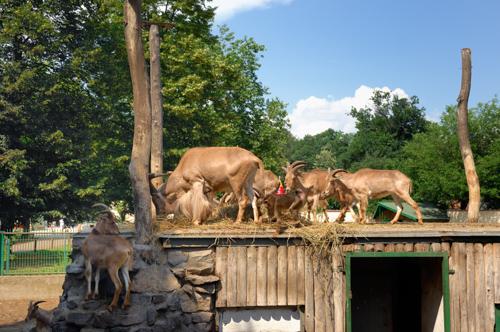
[383, 129]
[432, 159]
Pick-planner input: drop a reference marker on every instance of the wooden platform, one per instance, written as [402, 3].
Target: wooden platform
[430, 232]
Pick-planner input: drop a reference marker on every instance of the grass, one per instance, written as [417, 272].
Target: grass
[38, 262]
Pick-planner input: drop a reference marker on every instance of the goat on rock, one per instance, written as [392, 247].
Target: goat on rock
[104, 248]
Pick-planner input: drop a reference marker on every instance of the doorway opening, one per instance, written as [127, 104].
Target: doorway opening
[397, 292]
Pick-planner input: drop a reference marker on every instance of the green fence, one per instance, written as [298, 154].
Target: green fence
[34, 252]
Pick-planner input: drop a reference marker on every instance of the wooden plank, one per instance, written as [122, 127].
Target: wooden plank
[348, 247]
[319, 307]
[454, 290]
[232, 268]
[400, 247]
[496, 267]
[471, 298]
[328, 299]
[300, 275]
[422, 247]
[272, 276]
[338, 296]
[445, 246]
[368, 247]
[408, 247]
[309, 292]
[282, 274]
[263, 267]
[291, 285]
[461, 289]
[390, 247]
[379, 247]
[436, 247]
[489, 287]
[479, 287]
[252, 276]
[241, 280]
[358, 247]
[221, 272]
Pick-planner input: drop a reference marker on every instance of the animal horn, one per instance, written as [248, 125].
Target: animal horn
[298, 164]
[104, 206]
[339, 170]
[38, 302]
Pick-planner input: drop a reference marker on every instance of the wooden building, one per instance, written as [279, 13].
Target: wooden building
[442, 277]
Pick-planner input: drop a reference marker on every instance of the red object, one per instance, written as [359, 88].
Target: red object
[281, 190]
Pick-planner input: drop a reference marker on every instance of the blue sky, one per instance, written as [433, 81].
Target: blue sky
[324, 56]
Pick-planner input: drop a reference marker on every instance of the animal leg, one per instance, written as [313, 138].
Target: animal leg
[126, 281]
[407, 198]
[113, 274]
[242, 204]
[255, 208]
[341, 216]
[96, 286]
[363, 205]
[399, 208]
[88, 277]
[315, 209]
[353, 213]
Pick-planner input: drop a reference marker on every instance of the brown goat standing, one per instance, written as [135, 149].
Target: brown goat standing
[312, 184]
[104, 248]
[367, 184]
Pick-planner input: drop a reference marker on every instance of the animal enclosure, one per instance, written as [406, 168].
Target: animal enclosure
[444, 279]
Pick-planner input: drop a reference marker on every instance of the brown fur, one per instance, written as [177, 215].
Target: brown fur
[312, 184]
[291, 201]
[367, 184]
[219, 169]
[105, 249]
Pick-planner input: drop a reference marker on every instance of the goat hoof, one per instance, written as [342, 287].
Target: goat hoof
[110, 308]
[125, 306]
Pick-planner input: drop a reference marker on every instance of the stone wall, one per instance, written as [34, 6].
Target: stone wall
[172, 290]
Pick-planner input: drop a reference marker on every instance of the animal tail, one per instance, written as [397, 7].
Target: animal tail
[410, 188]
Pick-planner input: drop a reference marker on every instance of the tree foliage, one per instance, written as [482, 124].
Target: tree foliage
[65, 101]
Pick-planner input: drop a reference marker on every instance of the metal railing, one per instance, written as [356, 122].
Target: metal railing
[34, 252]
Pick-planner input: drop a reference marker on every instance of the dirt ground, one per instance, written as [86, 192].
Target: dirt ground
[17, 291]
[13, 311]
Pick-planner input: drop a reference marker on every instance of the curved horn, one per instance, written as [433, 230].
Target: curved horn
[38, 302]
[339, 170]
[104, 206]
[297, 164]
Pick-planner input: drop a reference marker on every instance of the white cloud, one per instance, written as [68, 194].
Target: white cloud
[313, 115]
[228, 8]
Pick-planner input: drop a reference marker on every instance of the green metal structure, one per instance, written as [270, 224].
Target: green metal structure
[429, 212]
[34, 252]
[411, 255]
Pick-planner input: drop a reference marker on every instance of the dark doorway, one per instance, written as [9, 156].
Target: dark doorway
[396, 294]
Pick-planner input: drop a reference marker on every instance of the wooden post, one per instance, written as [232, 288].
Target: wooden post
[156, 104]
[141, 147]
[463, 139]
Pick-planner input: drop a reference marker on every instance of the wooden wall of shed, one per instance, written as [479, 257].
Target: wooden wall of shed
[253, 276]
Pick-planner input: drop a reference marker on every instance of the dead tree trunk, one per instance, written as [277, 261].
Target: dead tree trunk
[156, 104]
[156, 107]
[463, 139]
[141, 148]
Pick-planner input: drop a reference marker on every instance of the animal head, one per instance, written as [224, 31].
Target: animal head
[335, 185]
[32, 309]
[105, 221]
[165, 198]
[292, 174]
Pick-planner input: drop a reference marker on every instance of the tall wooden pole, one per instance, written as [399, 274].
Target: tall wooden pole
[141, 148]
[463, 139]
[156, 104]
